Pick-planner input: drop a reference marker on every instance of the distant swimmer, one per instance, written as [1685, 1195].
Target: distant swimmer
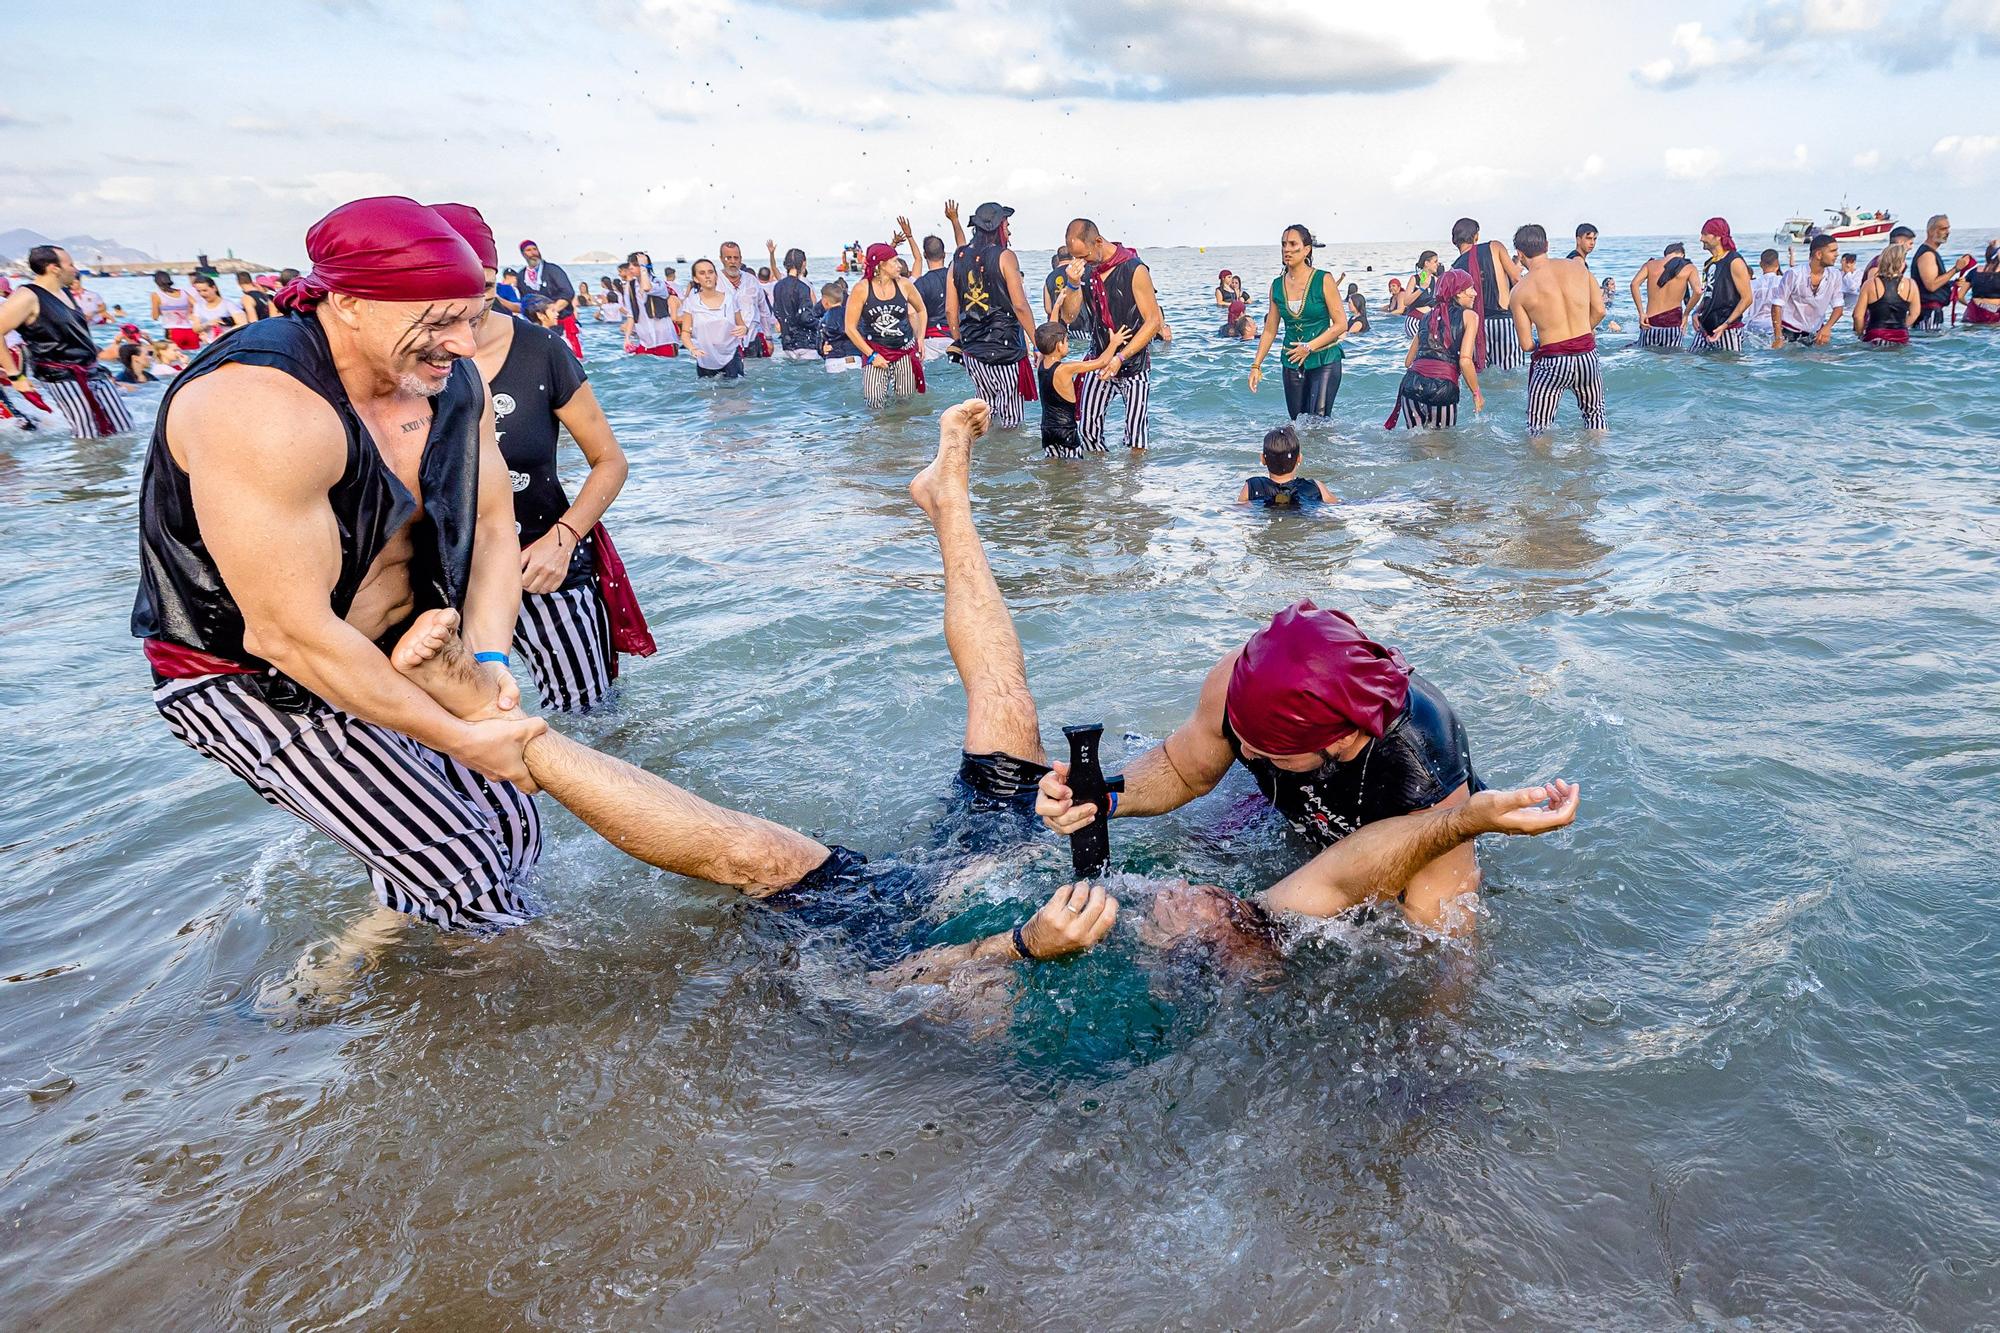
[1764, 289]
[712, 324]
[1281, 486]
[1718, 321]
[1586, 242]
[986, 311]
[1982, 303]
[539, 390]
[1444, 349]
[1056, 382]
[797, 310]
[1228, 288]
[1811, 298]
[1556, 308]
[58, 350]
[884, 318]
[313, 483]
[1112, 289]
[933, 276]
[1937, 283]
[1887, 305]
[1340, 735]
[549, 295]
[1306, 304]
[1357, 309]
[1662, 291]
[1489, 264]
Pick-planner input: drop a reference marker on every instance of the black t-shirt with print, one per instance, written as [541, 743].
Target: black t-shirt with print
[539, 376]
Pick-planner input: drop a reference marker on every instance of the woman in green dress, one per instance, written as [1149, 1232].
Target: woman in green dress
[1306, 303]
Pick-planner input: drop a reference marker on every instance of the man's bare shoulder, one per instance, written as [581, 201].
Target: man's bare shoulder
[244, 414]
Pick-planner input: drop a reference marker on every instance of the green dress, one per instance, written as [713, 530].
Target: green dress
[1309, 323]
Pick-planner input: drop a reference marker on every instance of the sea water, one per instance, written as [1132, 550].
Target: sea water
[1721, 1055]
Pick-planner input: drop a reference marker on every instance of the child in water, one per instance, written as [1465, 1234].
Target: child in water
[1057, 384]
[1284, 488]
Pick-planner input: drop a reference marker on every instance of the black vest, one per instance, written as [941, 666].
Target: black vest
[1928, 298]
[1117, 289]
[1283, 495]
[60, 335]
[988, 330]
[1720, 299]
[181, 594]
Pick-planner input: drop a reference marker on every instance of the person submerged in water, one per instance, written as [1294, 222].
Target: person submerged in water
[1056, 382]
[1282, 487]
[1342, 737]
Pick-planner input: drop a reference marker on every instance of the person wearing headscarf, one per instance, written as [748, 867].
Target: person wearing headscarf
[1444, 348]
[1718, 320]
[550, 295]
[1339, 733]
[986, 310]
[314, 481]
[1112, 289]
[885, 319]
[1982, 289]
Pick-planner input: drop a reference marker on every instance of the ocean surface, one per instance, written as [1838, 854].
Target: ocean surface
[1723, 1055]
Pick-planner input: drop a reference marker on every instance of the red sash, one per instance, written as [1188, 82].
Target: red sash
[175, 662]
[914, 355]
[1567, 347]
[629, 633]
[1672, 319]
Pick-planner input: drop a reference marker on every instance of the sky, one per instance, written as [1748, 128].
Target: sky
[671, 125]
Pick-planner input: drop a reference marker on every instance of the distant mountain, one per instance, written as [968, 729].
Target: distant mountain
[595, 257]
[15, 244]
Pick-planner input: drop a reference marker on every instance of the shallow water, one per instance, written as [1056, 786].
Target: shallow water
[1722, 1054]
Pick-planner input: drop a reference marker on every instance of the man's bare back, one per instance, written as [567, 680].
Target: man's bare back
[1560, 298]
[1664, 298]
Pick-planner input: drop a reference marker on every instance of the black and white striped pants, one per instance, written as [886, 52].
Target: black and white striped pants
[66, 396]
[999, 387]
[440, 842]
[1931, 317]
[1411, 323]
[1550, 377]
[1503, 344]
[1726, 340]
[1093, 401]
[565, 636]
[1660, 335]
[1419, 416]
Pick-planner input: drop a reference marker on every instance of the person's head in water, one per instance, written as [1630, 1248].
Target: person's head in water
[1586, 239]
[1848, 261]
[1051, 339]
[1531, 241]
[1311, 689]
[1281, 452]
[1464, 232]
[1768, 261]
[703, 274]
[1295, 247]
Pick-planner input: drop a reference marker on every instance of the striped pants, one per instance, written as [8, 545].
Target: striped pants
[1093, 400]
[1417, 416]
[1550, 377]
[1503, 344]
[1411, 323]
[440, 842]
[1668, 335]
[1728, 340]
[1931, 318]
[66, 396]
[565, 636]
[1000, 389]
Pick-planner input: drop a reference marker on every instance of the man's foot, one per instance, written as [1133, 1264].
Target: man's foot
[950, 472]
[431, 656]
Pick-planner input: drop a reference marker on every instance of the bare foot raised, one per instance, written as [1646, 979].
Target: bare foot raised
[950, 472]
[431, 656]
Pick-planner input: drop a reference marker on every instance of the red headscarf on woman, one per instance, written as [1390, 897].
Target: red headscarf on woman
[469, 223]
[386, 248]
[878, 254]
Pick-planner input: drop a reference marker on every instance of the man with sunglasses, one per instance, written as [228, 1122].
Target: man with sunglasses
[1339, 732]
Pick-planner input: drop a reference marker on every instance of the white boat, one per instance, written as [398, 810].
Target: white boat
[1844, 224]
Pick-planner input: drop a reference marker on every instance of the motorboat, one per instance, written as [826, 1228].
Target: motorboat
[1843, 224]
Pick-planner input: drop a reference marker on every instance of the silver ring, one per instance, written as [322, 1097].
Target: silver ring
[1075, 908]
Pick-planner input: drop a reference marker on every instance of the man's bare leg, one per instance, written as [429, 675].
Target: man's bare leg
[999, 711]
[642, 815]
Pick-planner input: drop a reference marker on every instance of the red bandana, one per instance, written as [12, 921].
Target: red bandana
[385, 249]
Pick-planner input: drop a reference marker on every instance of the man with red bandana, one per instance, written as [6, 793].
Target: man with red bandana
[1718, 320]
[1339, 733]
[314, 482]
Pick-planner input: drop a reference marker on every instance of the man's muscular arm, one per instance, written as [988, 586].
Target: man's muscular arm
[493, 593]
[1186, 765]
[261, 451]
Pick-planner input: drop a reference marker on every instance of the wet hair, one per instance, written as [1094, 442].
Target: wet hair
[1894, 260]
[1354, 289]
[286, 275]
[163, 280]
[1850, 258]
[1425, 258]
[794, 258]
[1900, 232]
[1768, 257]
[243, 278]
[633, 258]
[130, 352]
[671, 270]
[1674, 248]
[829, 292]
[43, 258]
[1084, 228]
[933, 247]
[1464, 231]
[1821, 241]
[1532, 241]
[1305, 235]
[1584, 229]
[206, 280]
[1058, 259]
[1281, 449]
[1051, 338]
[727, 245]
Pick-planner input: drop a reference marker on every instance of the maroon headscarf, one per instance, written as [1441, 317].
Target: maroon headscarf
[1443, 295]
[878, 253]
[467, 222]
[1311, 677]
[384, 249]
[1719, 229]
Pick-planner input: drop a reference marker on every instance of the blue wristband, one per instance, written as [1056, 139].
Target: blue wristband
[1114, 805]
[501, 658]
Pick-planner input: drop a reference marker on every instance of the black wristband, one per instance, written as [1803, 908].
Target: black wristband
[1021, 946]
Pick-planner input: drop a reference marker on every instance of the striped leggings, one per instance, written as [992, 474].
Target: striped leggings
[1669, 335]
[1727, 340]
[1000, 389]
[1093, 400]
[565, 636]
[1417, 416]
[1503, 344]
[66, 396]
[1550, 377]
[440, 842]
[1931, 318]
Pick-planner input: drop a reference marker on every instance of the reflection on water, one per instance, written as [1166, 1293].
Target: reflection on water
[1721, 1053]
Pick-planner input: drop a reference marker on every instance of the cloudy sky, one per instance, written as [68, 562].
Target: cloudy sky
[672, 124]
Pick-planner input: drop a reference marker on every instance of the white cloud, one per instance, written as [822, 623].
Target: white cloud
[1691, 164]
[1694, 55]
[1966, 158]
[1868, 159]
